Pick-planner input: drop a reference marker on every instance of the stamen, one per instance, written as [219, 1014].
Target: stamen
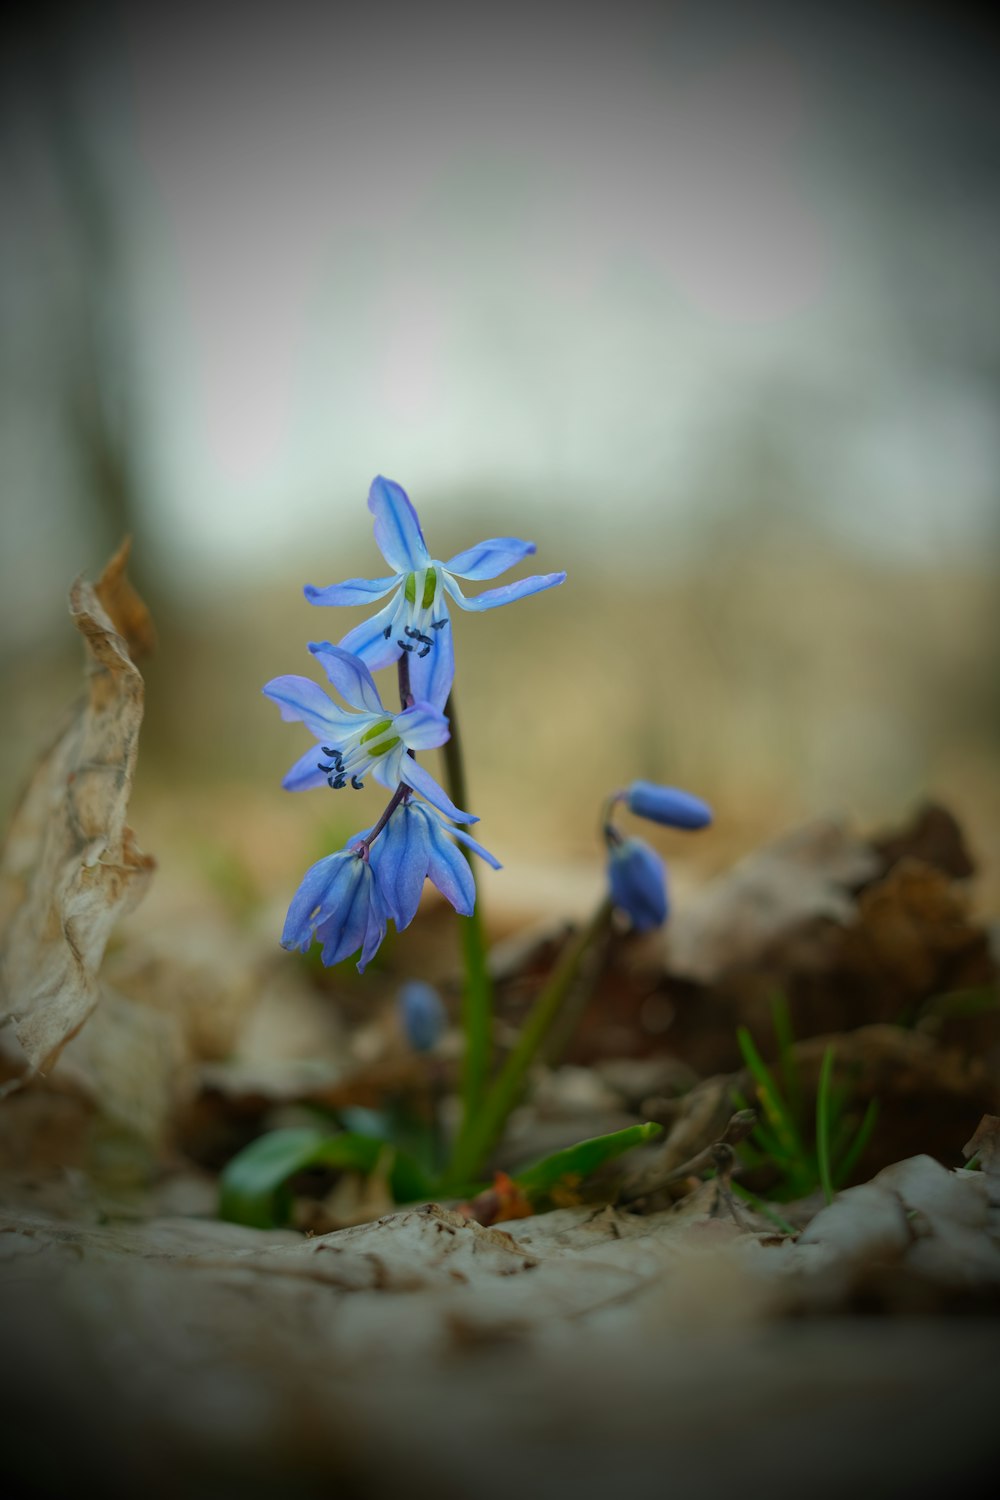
[338, 782]
[406, 646]
[357, 783]
[438, 624]
[387, 632]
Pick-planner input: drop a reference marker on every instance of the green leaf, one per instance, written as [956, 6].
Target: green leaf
[581, 1160]
[254, 1190]
[777, 1113]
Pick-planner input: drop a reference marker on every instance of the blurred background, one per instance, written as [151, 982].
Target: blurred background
[701, 297]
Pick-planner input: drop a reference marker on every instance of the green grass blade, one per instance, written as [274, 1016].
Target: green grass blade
[853, 1154]
[823, 1125]
[774, 1107]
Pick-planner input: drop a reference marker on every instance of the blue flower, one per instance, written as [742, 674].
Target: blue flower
[346, 898]
[422, 1015]
[338, 905]
[416, 618]
[667, 804]
[638, 881]
[371, 739]
[417, 844]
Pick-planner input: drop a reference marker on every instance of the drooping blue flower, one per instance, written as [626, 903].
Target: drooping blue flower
[422, 1014]
[337, 905]
[667, 804]
[638, 880]
[369, 739]
[417, 844]
[416, 618]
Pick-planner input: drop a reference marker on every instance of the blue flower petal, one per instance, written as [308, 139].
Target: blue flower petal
[448, 869]
[638, 880]
[667, 804]
[493, 598]
[321, 891]
[488, 559]
[374, 933]
[477, 848]
[431, 676]
[349, 676]
[346, 926]
[306, 774]
[399, 858]
[299, 698]
[421, 727]
[351, 591]
[369, 640]
[423, 782]
[397, 529]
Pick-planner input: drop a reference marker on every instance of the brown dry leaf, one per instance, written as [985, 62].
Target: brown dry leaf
[70, 867]
[915, 922]
[986, 1145]
[734, 921]
[123, 605]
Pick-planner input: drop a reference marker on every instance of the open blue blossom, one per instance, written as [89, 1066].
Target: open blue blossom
[337, 905]
[638, 880]
[346, 898]
[369, 739]
[417, 844]
[416, 618]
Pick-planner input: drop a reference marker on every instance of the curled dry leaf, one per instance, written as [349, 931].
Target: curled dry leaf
[71, 867]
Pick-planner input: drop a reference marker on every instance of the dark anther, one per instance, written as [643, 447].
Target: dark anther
[357, 783]
[405, 645]
[387, 632]
[325, 769]
[335, 755]
[425, 651]
[424, 640]
[338, 782]
[438, 624]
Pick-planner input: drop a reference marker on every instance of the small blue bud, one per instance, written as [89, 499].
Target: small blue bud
[638, 880]
[667, 804]
[422, 1014]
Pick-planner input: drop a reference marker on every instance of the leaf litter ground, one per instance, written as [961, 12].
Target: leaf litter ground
[654, 1332]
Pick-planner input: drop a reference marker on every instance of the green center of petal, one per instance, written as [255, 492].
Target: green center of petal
[423, 583]
[383, 749]
[376, 730]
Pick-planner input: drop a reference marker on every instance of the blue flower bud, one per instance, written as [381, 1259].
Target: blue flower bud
[638, 880]
[667, 804]
[422, 1014]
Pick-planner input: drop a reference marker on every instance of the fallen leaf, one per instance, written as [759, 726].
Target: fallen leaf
[71, 867]
[986, 1145]
[735, 920]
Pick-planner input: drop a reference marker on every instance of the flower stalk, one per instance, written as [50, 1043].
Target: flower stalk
[483, 1132]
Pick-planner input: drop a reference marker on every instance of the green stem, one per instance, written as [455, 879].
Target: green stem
[477, 996]
[482, 1131]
